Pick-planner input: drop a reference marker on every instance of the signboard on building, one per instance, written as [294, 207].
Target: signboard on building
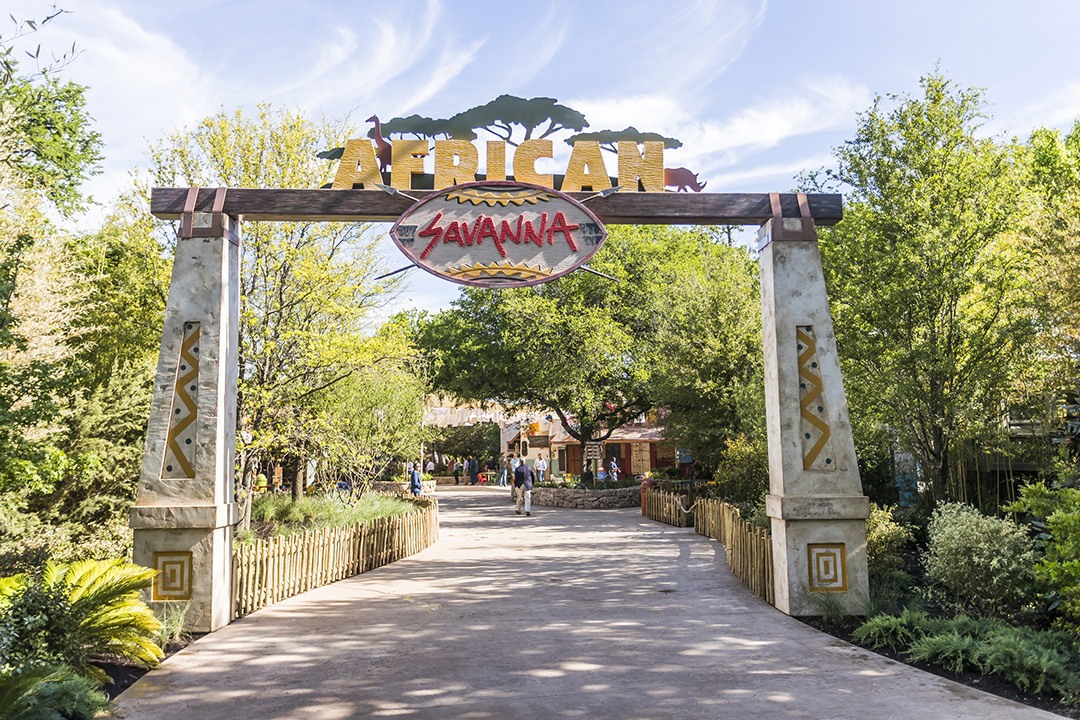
[498, 234]
[594, 451]
[640, 458]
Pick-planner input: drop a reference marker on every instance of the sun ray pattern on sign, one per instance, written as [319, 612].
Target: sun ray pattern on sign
[814, 426]
[180, 449]
[503, 198]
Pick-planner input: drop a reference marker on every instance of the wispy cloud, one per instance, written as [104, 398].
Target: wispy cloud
[815, 105]
[450, 64]
[1060, 109]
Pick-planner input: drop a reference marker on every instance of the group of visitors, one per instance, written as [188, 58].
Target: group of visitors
[469, 466]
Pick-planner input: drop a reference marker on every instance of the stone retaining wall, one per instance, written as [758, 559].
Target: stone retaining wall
[588, 499]
[426, 487]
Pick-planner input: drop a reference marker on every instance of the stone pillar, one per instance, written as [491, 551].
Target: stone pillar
[815, 503]
[185, 510]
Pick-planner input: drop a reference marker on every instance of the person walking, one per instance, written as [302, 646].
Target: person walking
[414, 479]
[456, 469]
[431, 466]
[474, 470]
[503, 466]
[523, 485]
[540, 467]
[613, 470]
[515, 460]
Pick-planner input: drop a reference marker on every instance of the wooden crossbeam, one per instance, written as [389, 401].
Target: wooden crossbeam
[623, 208]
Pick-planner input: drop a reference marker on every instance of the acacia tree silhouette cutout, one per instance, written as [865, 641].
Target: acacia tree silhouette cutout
[609, 138]
[508, 116]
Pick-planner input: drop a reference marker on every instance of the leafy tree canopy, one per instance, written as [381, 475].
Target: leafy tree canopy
[927, 272]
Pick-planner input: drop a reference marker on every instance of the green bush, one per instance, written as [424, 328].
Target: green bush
[885, 538]
[36, 543]
[984, 564]
[94, 604]
[1037, 661]
[742, 473]
[311, 513]
[890, 592]
[51, 693]
[1055, 511]
[952, 650]
[38, 627]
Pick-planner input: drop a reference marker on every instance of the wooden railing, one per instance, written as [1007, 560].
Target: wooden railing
[749, 548]
[667, 508]
[267, 571]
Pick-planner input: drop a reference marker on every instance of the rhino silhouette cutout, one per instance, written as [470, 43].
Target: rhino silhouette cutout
[681, 179]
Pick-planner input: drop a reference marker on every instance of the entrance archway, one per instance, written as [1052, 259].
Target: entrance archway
[185, 510]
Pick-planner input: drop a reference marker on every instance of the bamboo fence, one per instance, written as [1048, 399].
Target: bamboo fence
[667, 508]
[270, 570]
[749, 548]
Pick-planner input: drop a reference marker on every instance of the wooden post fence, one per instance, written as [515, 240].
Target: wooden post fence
[749, 548]
[267, 571]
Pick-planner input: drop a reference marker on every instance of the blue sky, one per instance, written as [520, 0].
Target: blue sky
[756, 90]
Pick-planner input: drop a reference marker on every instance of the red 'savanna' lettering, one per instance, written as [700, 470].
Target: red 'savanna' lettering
[484, 226]
[559, 225]
[506, 232]
[537, 238]
[432, 230]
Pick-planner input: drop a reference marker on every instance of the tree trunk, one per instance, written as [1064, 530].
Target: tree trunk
[247, 483]
[298, 480]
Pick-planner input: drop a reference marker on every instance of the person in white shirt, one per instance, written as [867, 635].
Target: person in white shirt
[430, 466]
[540, 468]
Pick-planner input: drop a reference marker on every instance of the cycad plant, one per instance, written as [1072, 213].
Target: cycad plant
[100, 606]
[51, 693]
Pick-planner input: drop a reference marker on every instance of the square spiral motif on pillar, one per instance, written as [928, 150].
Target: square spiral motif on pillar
[828, 567]
[173, 581]
[180, 447]
[813, 417]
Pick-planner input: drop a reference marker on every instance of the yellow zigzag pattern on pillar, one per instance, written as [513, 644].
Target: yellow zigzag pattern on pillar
[183, 401]
[813, 392]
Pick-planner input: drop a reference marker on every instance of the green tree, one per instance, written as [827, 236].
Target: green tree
[708, 370]
[584, 346]
[927, 273]
[307, 289]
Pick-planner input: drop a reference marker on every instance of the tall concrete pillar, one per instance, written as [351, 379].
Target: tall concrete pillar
[185, 509]
[815, 500]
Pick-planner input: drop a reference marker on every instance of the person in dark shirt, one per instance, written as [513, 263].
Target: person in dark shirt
[523, 485]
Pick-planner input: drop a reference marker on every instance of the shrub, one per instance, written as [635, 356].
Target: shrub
[983, 563]
[51, 693]
[890, 592]
[1056, 513]
[94, 604]
[888, 631]
[742, 474]
[37, 543]
[1035, 661]
[38, 626]
[885, 538]
[952, 650]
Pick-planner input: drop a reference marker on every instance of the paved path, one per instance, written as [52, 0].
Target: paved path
[567, 614]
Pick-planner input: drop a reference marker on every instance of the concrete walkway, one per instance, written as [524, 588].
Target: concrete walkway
[567, 614]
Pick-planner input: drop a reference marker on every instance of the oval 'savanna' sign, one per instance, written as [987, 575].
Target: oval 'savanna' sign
[498, 234]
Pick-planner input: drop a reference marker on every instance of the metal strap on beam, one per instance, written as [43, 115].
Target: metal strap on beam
[217, 221]
[792, 229]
